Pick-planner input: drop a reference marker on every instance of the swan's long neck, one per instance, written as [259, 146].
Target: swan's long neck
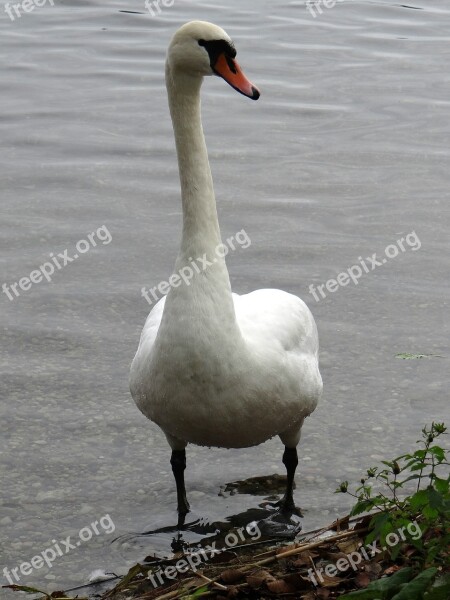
[200, 224]
[201, 233]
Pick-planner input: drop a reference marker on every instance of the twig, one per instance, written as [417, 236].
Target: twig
[309, 546]
[208, 580]
[175, 594]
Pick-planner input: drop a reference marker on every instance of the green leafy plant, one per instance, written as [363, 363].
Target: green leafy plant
[382, 492]
[34, 591]
[403, 586]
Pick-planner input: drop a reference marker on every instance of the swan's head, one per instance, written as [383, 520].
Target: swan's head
[200, 48]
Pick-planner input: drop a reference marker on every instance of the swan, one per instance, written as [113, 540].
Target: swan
[214, 368]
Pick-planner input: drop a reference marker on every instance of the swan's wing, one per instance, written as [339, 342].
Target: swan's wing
[265, 316]
[279, 319]
[150, 328]
[281, 332]
[146, 343]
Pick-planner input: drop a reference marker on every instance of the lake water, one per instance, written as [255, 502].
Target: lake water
[345, 154]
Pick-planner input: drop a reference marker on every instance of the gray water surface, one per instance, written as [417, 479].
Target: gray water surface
[346, 152]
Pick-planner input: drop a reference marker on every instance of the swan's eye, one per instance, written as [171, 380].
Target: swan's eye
[217, 47]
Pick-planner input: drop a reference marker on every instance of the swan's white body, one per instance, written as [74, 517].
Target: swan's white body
[214, 368]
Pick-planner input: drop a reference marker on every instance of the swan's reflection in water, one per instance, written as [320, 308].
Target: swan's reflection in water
[201, 540]
[256, 526]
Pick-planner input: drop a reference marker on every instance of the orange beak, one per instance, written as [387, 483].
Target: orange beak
[227, 68]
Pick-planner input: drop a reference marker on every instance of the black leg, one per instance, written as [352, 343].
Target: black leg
[178, 462]
[290, 461]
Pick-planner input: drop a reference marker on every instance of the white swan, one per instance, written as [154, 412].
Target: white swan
[214, 368]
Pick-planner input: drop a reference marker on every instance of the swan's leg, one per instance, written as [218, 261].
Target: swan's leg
[290, 439]
[178, 462]
[290, 461]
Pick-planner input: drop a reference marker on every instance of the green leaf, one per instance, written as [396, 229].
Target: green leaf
[411, 477]
[27, 590]
[415, 589]
[420, 454]
[412, 461]
[430, 513]
[418, 466]
[361, 506]
[379, 523]
[441, 485]
[440, 589]
[435, 499]
[394, 551]
[419, 499]
[135, 570]
[438, 452]
[197, 594]
[381, 589]
[388, 463]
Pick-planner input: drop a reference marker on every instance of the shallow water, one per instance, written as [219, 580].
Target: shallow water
[345, 153]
